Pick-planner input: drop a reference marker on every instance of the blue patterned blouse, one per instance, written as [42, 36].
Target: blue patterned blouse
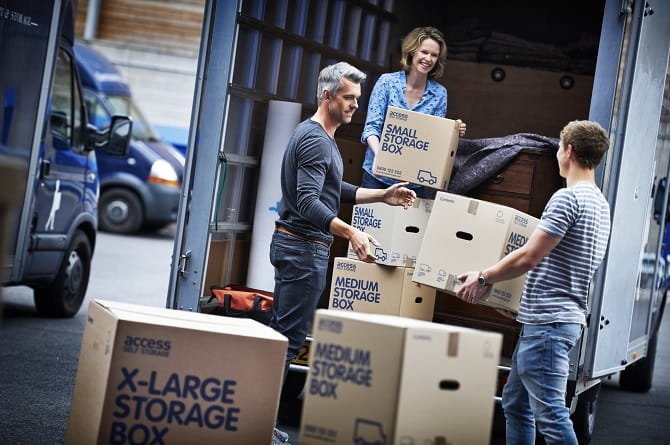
[390, 91]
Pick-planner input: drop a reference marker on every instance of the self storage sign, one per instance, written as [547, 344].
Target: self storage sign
[417, 147]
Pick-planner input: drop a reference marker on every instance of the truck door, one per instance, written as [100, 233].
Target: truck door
[210, 109]
[63, 180]
[620, 306]
[243, 65]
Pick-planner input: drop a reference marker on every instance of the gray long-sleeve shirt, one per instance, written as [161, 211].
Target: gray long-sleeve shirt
[311, 183]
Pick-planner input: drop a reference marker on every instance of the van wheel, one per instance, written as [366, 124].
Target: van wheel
[584, 417]
[638, 376]
[120, 211]
[64, 296]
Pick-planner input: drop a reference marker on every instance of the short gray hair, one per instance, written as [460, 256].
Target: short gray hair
[330, 78]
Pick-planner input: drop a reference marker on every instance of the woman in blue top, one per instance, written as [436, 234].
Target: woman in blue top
[424, 54]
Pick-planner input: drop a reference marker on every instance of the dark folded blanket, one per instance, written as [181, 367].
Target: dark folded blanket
[480, 159]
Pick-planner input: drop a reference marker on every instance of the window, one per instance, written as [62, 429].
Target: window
[66, 118]
[142, 129]
[97, 114]
[61, 104]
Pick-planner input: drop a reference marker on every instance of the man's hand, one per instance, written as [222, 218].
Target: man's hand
[470, 291]
[360, 243]
[399, 195]
[462, 128]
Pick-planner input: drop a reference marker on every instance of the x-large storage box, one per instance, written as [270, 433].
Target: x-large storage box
[417, 147]
[380, 379]
[398, 230]
[153, 375]
[375, 289]
[466, 234]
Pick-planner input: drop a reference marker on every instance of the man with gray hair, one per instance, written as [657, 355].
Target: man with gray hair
[312, 189]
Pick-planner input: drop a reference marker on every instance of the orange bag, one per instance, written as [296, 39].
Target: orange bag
[241, 301]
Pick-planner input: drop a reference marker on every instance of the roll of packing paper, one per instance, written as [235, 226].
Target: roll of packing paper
[283, 117]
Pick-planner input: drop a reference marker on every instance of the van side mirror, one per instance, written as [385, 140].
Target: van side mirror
[120, 133]
[114, 139]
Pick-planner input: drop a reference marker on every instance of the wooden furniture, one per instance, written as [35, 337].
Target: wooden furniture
[525, 184]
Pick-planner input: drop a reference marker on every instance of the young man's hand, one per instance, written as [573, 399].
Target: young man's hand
[399, 195]
[470, 291]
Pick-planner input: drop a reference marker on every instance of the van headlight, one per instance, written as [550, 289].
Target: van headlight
[163, 173]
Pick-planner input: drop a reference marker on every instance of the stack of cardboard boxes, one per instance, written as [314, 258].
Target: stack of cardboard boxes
[393, 379]
[416, 148]
[434, 240]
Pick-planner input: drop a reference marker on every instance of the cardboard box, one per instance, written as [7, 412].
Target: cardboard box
[393, 380]
[153, 375]
[466, 234]
[374, 289]
[417, 147]
[399, 231]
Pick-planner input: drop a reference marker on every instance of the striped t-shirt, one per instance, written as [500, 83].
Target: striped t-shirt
[556, 289]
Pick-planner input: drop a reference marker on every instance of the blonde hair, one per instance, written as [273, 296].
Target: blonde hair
[412, 42]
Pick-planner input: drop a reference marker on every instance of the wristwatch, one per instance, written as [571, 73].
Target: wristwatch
[482, 280]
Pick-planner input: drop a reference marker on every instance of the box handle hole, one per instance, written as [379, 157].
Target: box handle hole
[464, 235]
[449, 385]
[412, 229]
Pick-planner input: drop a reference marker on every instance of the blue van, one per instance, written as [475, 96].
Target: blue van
[49, 184]
[143, 189]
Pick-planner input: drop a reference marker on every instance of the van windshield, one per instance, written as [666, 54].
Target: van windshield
[142, 129]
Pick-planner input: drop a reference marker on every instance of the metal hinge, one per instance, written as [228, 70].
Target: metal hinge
[626, 7]
[184, 262]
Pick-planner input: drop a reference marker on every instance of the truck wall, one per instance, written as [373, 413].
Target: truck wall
[24, 30]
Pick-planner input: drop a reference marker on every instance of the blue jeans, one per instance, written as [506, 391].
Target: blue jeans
[371, 182]
[300, 277]
[535, 390]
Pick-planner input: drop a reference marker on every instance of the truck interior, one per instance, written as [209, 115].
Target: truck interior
[510, 69]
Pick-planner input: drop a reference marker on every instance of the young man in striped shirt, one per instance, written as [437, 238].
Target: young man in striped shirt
[560, 257]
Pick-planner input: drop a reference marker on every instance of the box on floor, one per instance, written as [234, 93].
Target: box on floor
[393, 380]
[154, 375]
